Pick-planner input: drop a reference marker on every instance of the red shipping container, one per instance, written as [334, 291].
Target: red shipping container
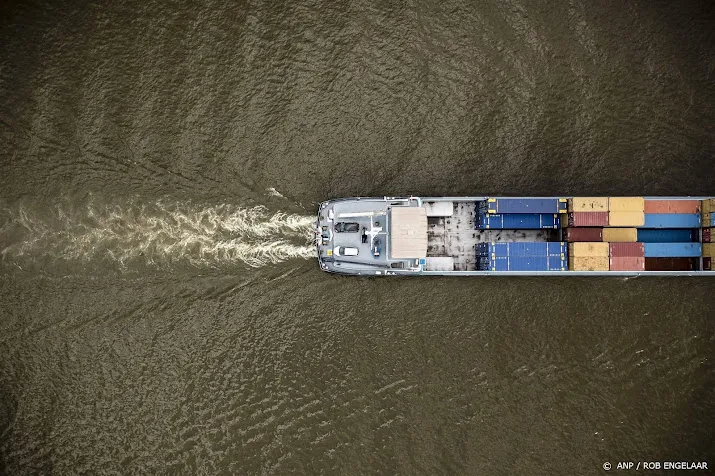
[669, 264]
[707, 264]
[619, 250]
[672, 206]
[588, 219]
[627, 263]
[584, 234]
[707, 235]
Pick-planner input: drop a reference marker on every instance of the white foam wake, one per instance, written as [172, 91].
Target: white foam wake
[158, 234]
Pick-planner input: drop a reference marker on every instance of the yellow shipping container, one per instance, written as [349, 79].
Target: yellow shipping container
[588, 204]
[563, 220]
[588, 248]
[709, 250]
[626, 219]
[621, 235]
[705, 206]
[626, 204]
[707, 217]
[589, 263]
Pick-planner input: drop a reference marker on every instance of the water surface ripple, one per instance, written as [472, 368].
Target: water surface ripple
[160, 308]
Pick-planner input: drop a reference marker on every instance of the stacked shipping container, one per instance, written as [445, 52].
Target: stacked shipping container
[682, 235]
[643, 233]
[671, 206]
[523, 205]
[626, 249]
[522, 248]
[672, 250]
[522, 256]
[588, 219]
[516, 221]
[588, 211]
[587, 204]
[620, 234]
[626, 211]
[636, 212]
[707, 210]
[584, 234]
[671, 264]
[708, 248]
[670, 234]
[672, 213]
[519, 213]
[588, 256]
[627, 263]
[626, 256]
[616, 233]
[708, 256]
[672, 220]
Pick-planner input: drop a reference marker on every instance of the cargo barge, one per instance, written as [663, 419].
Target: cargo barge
[516, 236]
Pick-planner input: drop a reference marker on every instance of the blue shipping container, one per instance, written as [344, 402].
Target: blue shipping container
[513, 249]
[528, 263]
[522, 263]
[522, 248]
[672, 220]
[516, 264]
[489, 249]
[517, 221]
[557, 248]
[559, 263]
[678, 235]
[527, 248]
[673, 250]
[526, 205]
[497, 263]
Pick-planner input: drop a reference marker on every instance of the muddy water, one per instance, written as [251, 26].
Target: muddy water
[161, 309]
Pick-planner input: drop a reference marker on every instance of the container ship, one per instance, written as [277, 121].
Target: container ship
[517, 236]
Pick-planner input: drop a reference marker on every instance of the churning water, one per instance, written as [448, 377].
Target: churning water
[157, 234]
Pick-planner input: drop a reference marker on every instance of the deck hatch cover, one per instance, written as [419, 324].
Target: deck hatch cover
[408, 232]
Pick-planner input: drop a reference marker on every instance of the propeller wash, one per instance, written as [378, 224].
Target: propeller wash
[158, 234]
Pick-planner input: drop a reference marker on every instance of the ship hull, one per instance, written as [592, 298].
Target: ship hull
[438, 236]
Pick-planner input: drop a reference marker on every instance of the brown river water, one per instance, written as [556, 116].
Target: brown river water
[161, 308]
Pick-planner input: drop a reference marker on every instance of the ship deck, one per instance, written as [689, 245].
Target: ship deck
[454, 236]
[373, 219]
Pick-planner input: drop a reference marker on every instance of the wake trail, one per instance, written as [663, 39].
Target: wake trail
[158, 234]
